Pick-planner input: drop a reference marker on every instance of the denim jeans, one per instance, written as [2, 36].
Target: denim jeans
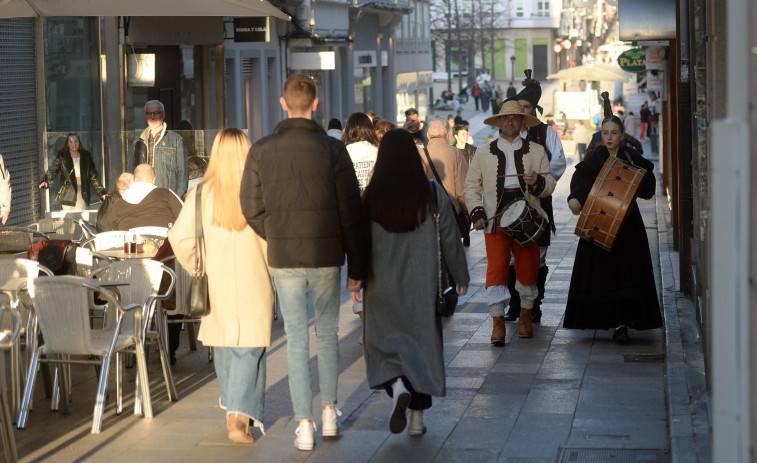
[292, 285]
[241, 377]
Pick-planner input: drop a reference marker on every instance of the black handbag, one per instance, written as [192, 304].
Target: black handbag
[66, 193]
[199, 302]
[461, 218]
[446, 301]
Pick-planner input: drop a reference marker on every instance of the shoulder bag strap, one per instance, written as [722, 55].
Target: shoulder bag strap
[435, 212]
[199, 269]
[433, 169]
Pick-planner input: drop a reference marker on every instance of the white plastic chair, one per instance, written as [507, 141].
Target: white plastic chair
[8, 338]
[143, 277]
[61, 309]
[12, 269]
[60, 228]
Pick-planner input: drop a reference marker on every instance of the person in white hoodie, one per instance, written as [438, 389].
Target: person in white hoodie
[362, 145]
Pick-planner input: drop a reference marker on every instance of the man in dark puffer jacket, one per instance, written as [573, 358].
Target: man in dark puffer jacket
[300, 193]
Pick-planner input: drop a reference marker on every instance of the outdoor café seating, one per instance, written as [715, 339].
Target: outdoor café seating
[61, 310]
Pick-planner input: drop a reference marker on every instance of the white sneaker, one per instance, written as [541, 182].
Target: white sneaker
[305, 439]
[330, 425]
[401, 397]
[416, 427]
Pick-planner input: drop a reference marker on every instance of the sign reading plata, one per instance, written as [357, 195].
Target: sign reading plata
[252, 29]
[633, 60]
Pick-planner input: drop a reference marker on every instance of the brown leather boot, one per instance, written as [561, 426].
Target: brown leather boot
[239, 429]
[525, 329]
[498, 331]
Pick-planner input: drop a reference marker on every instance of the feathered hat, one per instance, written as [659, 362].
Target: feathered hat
[511, 108]
[531, 92]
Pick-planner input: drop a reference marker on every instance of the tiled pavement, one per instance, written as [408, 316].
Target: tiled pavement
[524, 403]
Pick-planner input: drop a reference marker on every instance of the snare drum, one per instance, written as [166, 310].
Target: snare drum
[522, 222]
[604, 213]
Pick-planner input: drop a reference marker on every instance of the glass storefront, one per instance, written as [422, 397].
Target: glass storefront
[363, 90]
[72, 74]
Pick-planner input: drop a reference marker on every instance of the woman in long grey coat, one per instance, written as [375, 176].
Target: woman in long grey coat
[402, 331]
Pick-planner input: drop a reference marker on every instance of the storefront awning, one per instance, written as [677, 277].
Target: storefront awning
[39, 8]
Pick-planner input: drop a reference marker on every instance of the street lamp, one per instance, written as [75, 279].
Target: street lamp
[512, 68]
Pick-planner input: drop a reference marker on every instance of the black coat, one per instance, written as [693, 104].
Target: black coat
[64, 164]
[608, 289]
[299, 192]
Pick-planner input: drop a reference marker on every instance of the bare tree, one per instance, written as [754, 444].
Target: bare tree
[475, 24]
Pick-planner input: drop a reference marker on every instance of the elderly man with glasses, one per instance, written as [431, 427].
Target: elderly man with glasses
[163, 150]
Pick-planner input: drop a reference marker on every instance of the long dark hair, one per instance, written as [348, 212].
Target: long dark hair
[64, 149]
[398, 195]
[359, 127]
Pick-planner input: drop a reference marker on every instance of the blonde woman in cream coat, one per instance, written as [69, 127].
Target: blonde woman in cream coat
[240, 286]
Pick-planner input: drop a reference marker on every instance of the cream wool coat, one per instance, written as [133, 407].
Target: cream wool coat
[239, 281]
[484, 184]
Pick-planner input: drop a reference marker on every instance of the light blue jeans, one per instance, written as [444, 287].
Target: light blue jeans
[292, 285]
[241, 377]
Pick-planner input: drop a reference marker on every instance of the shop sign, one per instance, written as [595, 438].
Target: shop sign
[252, 29]
[634, 60]
[656, 58]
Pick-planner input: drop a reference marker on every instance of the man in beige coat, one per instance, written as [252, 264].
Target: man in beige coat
[449, 162]
[505, 169]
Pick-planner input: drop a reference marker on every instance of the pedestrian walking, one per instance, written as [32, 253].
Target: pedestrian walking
[613, 289]
[403, 344]
[631, 124]
[528, 98]
[508, 168]
[511, 92]
[362, 145]
[476, 94]
[644, 113]
[299, 192]
[238, 327]
[582, 137]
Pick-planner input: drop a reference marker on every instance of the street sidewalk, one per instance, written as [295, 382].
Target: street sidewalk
[563, 395]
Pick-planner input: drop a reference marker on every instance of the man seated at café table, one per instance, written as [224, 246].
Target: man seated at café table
[104, 222]
[145, 205]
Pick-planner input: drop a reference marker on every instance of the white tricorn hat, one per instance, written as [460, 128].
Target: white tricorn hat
[511, 108]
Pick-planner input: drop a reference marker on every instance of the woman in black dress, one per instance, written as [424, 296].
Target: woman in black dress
[613, 289]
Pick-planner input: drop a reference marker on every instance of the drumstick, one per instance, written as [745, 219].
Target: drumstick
[522, 175]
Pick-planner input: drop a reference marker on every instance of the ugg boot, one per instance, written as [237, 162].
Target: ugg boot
[239, 429]
[498, 331]
[525, 329]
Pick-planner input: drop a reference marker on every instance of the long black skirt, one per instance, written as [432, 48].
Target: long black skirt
[617, 287]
